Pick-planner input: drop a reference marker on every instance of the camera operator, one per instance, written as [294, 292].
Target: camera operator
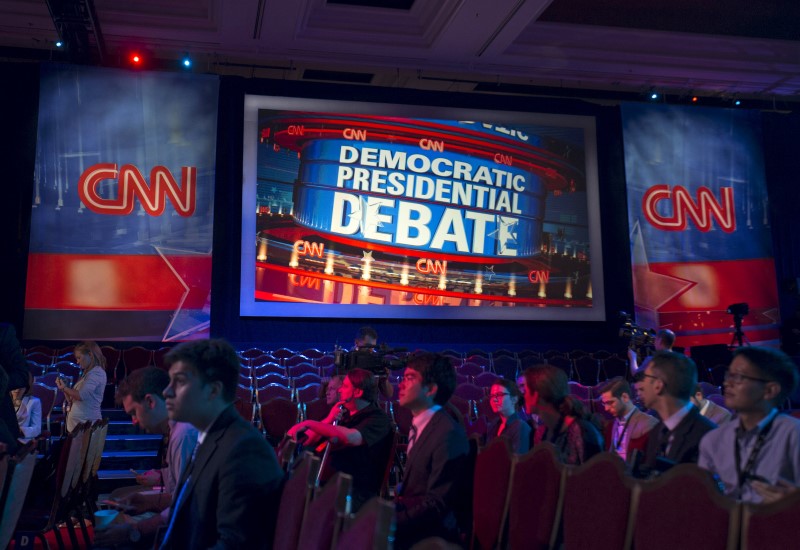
[366, 341]
[664, 341]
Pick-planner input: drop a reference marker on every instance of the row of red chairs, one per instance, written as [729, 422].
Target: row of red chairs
[533, 501]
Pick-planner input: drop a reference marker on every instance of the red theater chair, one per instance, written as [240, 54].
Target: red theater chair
[685, 505]
[491, 484]
[534, 509]
[295, 499]
[597, 501]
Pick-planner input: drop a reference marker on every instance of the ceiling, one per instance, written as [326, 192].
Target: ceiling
[751, 49]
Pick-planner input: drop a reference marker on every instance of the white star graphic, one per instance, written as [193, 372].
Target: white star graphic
[505, 233]
[366, 214]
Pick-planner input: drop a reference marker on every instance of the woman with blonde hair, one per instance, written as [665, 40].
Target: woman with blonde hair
[86, 395]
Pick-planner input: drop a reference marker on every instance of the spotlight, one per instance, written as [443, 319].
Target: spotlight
[653, 95]
[694, 99]
[59, 44]
[737, 102]
[186, 62]
[136, 59]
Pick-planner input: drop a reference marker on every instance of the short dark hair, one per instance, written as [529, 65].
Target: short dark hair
[365, 381]
[214, 360]
[666, 336]
[678, 372]
[367, 333]
[616, 387]
[513, 390]
[435, 368]
[140, 382]
[775, 364]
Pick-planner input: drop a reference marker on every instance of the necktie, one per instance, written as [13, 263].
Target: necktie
[181, 495]
[664, 441]
[412, 436]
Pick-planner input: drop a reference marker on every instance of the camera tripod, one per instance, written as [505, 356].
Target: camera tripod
[738, 335]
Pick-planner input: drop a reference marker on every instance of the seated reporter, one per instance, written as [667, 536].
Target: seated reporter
[506, 401]
[360, 441]
[565, 422]
[756, 454]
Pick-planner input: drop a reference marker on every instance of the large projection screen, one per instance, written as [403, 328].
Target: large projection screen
[369, 210]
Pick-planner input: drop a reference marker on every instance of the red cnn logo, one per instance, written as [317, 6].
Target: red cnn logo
[131, 183]
[683, 207]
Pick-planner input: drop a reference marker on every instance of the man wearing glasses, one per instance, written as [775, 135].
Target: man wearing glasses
[630, 426]
[757, 454]
[666, 386]
[436, 488]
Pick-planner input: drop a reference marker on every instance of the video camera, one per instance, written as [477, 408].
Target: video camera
[637, 336]
[374, 359]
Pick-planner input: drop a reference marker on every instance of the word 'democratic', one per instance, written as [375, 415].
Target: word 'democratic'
[407, 197]
[131, 184]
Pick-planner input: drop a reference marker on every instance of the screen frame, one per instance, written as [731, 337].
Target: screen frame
[249, 307]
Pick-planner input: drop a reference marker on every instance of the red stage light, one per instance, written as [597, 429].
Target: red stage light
[136, 58]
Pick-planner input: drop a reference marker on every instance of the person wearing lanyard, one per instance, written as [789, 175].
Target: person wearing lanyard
[629, 425]
[756, 456]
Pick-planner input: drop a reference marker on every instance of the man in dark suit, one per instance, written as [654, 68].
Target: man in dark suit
[666, 386]
[229, 493]
[436, 477]
[13, 375]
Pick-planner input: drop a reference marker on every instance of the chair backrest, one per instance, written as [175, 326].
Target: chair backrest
[470, 392]
[282, 354]
[136, 357]
[113, 356]
[263, 378]
[579, 390]
[298, 359]
[277, 416]
[67, 368]
[307, 393]
[372, 528]
[305, 379]
[470, 368]
[158, 356]
[486, 379]
[587, 369]
[40, 357]
[98, 443]
[771, 525]
[316, 409]
[325, 514]
[47, 396]
[273, 391]
[506, 367]
[684, 505]
[71, 459]
[491, 489]
[534, 509]
[613, 366]
[597, 504]
[295, 499]
[24, 460]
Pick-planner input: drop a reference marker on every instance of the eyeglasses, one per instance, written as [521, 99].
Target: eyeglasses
[738, 378]
[498, 396]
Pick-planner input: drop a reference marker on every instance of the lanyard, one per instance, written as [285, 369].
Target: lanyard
[744, 475]
[619, 441]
